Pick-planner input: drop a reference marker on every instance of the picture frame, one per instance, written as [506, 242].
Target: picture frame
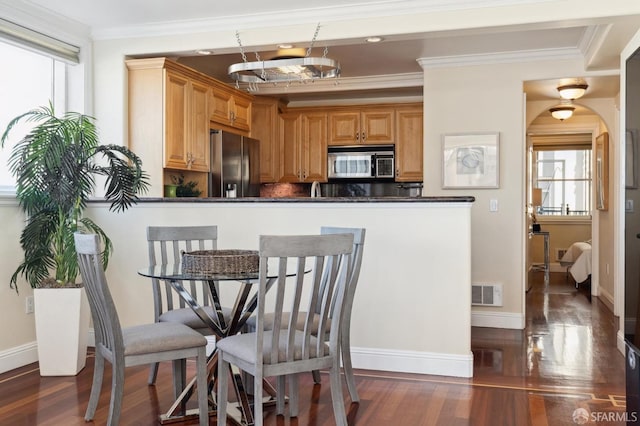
[602, 172]
[630, 176]
[471, 160]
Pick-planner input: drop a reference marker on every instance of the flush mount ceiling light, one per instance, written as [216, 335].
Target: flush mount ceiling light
[572, 91]
[374, 39]
[283, 69]
[562, 112]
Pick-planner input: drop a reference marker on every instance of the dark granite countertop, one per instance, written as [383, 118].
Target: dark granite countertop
[443, 199]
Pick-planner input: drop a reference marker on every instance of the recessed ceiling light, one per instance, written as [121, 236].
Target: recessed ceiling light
[204, 52]
[285, 46]
[374, 39]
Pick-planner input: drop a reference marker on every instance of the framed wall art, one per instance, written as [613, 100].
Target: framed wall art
[470, 160]
[602, 172]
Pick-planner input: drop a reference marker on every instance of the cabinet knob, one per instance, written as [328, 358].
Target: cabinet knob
[357, 136]
[364, 137]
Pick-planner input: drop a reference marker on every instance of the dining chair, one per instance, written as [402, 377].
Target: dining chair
[136, 345]
[165, 245]
[345, 339]
[289, 351]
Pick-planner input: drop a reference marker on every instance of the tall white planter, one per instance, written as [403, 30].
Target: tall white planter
[62, 328]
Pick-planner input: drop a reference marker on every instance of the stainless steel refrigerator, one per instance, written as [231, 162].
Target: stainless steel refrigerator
[235, 165]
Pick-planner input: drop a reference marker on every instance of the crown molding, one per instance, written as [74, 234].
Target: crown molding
[592, 42]
[334, 13]
[499, 58]
[343, 84]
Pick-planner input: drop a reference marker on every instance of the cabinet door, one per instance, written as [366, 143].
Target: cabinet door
[377, 126]
[344, 128]
[314, 147]
[241, 113]
[289, 148]
[409, 145]
[220, 106]
[198, 148]
[176, 120]
[264, 127]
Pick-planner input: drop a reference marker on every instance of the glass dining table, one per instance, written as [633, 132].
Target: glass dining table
[243, 307]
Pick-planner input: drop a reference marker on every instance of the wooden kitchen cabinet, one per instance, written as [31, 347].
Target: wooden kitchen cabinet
[264, 127]
[409, 143]
[186, 144]
[313, 154]
[168, 116]
[303, 146]
[289, 136]
[353, 126]
[230, 108]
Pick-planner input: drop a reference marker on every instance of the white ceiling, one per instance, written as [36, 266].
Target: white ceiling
[598, 41]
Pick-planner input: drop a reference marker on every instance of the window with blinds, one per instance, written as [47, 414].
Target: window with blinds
[26, 38]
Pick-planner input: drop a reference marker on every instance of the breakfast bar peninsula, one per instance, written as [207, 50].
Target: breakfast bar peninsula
[415, 275]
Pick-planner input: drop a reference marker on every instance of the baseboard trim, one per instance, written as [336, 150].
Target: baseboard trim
[18, 356]
[22, 355]
[494, 319]
[439, 364]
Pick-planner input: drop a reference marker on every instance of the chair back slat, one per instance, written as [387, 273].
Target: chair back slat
[165, 245]
[330, 257]
[108, 332]
[356, 263]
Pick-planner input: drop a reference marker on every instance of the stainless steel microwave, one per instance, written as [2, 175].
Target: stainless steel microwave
[373, 162]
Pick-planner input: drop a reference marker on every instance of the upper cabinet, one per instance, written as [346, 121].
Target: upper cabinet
[314, 147]
[303, 147]
[230, 108]
[365, 125]
[409, 143]
[264, 127]
[187, 124]
[171, 111]
[176, 124]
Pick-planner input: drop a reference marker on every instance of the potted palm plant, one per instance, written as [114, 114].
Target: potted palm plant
[56, 165]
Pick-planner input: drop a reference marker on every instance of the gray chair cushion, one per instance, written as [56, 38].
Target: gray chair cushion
[187, 317]
[244, 346]
[160, 337]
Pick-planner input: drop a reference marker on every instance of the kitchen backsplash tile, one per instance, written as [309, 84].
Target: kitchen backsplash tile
[284, 190]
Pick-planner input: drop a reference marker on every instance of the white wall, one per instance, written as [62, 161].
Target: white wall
[489, 98]
[17, 336]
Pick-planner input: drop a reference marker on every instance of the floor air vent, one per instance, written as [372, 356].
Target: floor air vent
[486, 294]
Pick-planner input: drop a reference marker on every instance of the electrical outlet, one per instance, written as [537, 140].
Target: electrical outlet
[28, 309]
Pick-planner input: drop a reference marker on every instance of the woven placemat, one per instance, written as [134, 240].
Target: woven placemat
[220, 261]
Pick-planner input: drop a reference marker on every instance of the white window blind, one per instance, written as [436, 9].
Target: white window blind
[24, 37]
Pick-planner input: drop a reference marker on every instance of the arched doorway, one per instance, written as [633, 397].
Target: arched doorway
[573, 223]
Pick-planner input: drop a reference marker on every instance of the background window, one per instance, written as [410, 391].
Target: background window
[565, 179]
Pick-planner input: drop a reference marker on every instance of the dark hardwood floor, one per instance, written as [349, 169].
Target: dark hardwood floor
[564, 360]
